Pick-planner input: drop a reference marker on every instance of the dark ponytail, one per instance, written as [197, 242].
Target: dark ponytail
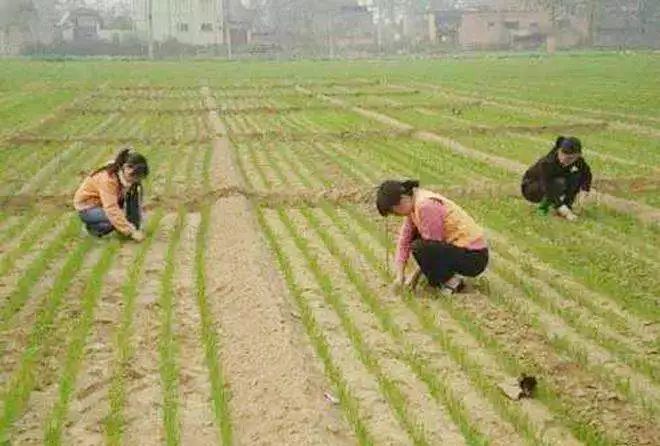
[127, 157]
[408, 186]
[390, 192]
[560, 140]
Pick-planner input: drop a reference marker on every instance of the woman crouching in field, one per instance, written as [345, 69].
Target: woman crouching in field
[442, 237]
[109, 199]
[556, 179]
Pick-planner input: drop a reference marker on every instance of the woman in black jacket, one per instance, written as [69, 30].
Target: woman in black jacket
[556, 179]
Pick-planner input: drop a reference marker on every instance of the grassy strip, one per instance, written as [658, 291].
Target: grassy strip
[23, 380]
[33, 273]
[586, 326]
[627, 282]
[508, 301]
[74, 354]
[348, 402]
[600, 307]
[168, 346]
[26, 242]
[391, 391]
[115, 421]
[220, 395]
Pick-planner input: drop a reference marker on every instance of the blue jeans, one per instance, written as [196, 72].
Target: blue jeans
[96, 221]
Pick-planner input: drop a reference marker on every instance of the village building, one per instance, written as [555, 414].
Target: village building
[193, 22]
[79, 25]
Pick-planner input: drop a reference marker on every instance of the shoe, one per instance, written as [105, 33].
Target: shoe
[544, 208]
[452, 286]
[566, 212]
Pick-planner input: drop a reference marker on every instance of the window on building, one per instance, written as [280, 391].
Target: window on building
[182, 27]
[206, 27]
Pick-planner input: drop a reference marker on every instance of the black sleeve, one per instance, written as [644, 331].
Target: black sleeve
[585, 180]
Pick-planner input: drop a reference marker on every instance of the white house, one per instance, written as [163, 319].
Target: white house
[195, 22]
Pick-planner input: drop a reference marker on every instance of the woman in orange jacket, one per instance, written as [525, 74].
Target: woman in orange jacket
[444, 240]
[109, 199]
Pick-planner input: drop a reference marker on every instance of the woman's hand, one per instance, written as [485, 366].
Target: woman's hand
[137, 235]
[413, 279]
[399, 280]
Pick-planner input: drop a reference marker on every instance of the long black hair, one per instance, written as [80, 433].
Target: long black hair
[127, 157]
[390, 192]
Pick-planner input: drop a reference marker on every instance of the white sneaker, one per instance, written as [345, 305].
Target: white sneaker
[566, 212]
[452, 286]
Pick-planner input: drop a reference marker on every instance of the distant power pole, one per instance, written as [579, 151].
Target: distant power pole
[331, 40]
[170, 34]
[150, 18]
[225, 27]
[379, 25]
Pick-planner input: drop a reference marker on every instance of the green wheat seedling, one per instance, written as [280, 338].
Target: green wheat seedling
[34, 271]
[614, 317]
[168, 345]
[25, 244]
[210, 340]
[563, 344]
[22, 382]
[74, 352]
[391, 391]
[599, 270]
[587, 328]
[348, 402]
[220, 395]
[115, 420]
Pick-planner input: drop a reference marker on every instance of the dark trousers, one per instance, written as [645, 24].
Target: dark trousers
[561, 190]
[96, 221]
[439, 261]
